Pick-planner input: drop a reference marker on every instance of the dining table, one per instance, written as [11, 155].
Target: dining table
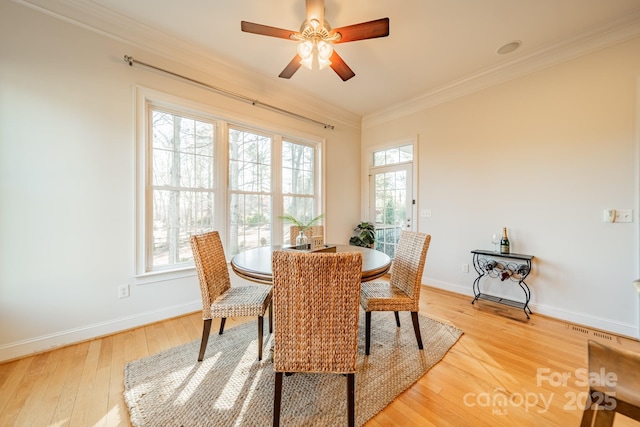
[255, 264]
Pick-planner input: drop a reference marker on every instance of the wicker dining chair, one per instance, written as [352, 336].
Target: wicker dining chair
[402, 292]
[614, 386]
[219, 298]
[316, 303]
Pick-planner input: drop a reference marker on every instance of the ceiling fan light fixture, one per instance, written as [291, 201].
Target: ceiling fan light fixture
[316, 38]
[305, 49]
[314, 51]
[307, 62]
[323, 63]
[315, 24]
[324, 50]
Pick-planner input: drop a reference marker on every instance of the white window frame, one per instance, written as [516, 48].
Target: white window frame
[276, 193]
[369, 165]
[223, 119]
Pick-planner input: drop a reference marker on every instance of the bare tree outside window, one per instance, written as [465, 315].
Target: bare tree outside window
[199, 172]
[298, 182]
[250, 187]
[182, 185]
[252, 190]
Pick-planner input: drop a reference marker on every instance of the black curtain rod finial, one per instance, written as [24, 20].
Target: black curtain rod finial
[129, 60]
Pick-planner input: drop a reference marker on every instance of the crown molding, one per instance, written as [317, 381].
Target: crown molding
[108, 23]
[550, 55]
[98, 19]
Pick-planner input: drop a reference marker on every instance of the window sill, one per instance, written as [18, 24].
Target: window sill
[163, 276]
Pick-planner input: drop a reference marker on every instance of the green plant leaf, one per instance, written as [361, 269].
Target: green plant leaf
[303, 226]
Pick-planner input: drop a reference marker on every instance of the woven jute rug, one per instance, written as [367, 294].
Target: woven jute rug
[230, 387]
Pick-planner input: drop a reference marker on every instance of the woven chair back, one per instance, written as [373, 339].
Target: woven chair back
[314, 230]
[211, 265]
[316, 299]
[408, 263]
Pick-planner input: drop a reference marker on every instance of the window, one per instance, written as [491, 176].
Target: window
[197, 172]
[298, 182]
[394, 155]
[255, 195]
[250, 201]
[182, 185]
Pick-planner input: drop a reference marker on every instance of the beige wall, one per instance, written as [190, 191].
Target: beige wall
[67, 179]
[542, 155]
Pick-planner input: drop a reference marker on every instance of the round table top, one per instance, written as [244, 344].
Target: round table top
[255, 264]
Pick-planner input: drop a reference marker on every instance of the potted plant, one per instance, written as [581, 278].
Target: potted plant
[366, 236]
[301, 240]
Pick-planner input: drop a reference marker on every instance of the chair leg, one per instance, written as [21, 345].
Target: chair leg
[604, 417]
[587, 416]
[588, 413]
[367, 340]
[260, 334]
[351, 399]
[397, 319]
[276, 399]
[416, 328]
[222, 325]
[206, 328]
[597, 416]
[271, 317]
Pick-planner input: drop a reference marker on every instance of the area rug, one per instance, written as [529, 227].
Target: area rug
[230, 387]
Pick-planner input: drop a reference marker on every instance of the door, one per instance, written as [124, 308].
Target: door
[391, 204]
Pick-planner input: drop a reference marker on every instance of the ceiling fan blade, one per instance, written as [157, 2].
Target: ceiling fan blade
[291, 68]
[315, 10]
[340, 67]
[362, 31]
[265, 30]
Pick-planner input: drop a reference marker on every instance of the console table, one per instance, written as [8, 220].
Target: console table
[506, 267]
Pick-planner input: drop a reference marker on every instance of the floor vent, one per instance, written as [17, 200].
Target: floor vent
[593, 334]
[603, 336]
[579, 329]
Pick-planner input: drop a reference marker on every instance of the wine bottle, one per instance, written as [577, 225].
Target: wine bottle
[504, 242]
[522, 270]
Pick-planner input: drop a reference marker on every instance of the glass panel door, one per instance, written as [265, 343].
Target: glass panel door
[391, 204]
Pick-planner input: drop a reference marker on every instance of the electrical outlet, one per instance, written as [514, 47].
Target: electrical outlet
[123, 291]
[465, 268]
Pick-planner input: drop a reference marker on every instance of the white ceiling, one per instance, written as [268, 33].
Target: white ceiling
[432, 43]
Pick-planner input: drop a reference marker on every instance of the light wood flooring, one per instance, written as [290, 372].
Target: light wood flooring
[504, 371]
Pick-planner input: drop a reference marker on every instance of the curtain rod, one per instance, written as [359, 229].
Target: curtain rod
[130, 60]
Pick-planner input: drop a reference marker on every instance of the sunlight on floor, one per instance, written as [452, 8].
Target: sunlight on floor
[197, 375]
[233, 387]
[112, 418]
[249, 398]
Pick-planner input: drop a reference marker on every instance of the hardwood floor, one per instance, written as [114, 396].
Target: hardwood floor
[504, 371]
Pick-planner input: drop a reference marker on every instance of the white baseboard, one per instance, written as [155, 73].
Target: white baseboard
[618, 328]
[48, 342]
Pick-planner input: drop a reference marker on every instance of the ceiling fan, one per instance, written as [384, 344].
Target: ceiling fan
[316, 39]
